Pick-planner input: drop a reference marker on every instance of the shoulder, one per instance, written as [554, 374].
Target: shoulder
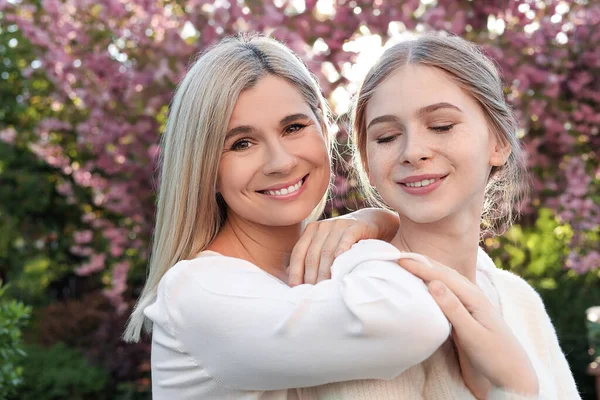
[519, 298]
[511, 288]
[515, 285]
[506, 282]
[201, 291]
[371, 249]
[206, 266]
[364, 252]
[215, 275]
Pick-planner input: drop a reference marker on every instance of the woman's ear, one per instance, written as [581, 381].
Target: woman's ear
[500, 152]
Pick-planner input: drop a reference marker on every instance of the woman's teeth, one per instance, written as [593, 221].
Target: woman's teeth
[425, 182]
[284, 191]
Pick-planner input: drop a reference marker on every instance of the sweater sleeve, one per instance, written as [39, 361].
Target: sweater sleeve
[498, 393]
[537, 334]
[556, 361]
[250, 331]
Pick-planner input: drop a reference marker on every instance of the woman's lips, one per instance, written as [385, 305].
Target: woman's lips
[421, 185]
[286, 192]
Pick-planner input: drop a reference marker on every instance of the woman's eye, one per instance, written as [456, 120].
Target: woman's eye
[442, 128]
[386, 139]
[294, 128]
[241, 144]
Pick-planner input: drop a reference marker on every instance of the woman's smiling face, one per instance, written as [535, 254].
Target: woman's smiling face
[429, 147]
[275, 166]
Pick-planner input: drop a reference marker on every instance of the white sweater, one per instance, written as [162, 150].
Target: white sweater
[438, 378]
[225, 329]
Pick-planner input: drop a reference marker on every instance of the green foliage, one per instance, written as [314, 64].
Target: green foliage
[61, 373]
[13, 317]
[132, 391]
[91, 325]
[35, 225]
[538, 253]
[593, 327]
[36, 222]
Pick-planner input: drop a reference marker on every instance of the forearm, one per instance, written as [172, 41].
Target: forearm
[371, 321]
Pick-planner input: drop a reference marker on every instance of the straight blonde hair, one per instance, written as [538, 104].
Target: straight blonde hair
[190, 213]
[477, 75]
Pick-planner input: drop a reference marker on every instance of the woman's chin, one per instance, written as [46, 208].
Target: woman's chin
[423, 218]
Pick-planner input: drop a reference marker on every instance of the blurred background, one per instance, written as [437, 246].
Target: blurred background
[84, 91]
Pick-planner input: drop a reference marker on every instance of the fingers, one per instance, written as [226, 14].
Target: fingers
[299, 252]
[429, 270]
[335, 244]
[349, 237]
[327, 254]
[314, 255]
[466, 327]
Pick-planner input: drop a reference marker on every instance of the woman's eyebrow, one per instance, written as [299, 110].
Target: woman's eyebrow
[294, 117]
[434, 107]
[420, 112]
[383, 119]
[238, 130]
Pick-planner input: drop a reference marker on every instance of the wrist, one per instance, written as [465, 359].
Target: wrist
[526, 386]
[387, 224]
[498, 393]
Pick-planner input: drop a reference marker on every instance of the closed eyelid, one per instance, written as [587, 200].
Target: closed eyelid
[384, 120]
[385, 130]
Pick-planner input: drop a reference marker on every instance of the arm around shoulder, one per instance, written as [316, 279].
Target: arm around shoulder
[252, 332]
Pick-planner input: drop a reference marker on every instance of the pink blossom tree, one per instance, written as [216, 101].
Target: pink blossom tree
[114, 66]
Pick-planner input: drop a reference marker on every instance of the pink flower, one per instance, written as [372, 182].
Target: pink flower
[81, 237]
[8, 135]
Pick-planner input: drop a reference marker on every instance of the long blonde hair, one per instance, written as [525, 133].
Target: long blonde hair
[189, 212]
[475, 73]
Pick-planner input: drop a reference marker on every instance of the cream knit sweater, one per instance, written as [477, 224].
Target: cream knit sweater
[438, 378]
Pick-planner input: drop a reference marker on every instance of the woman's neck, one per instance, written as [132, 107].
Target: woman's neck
[268, 247]
[447, 242]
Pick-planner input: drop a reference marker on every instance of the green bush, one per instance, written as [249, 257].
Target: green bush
[59, 373]
[13, 317]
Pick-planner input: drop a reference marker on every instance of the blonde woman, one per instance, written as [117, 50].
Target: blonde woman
[245, 164]
[436, 142]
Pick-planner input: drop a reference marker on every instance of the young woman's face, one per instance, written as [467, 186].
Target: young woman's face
[429, 147]
[275, 167]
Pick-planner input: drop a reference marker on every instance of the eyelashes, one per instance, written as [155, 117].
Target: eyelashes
[293, 128]
[386, 139]
[443, 128]
[246, 143]
[392, 137]
[240, 145]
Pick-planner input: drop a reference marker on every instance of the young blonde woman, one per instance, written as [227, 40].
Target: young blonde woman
[436, 142]
[245, 164]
